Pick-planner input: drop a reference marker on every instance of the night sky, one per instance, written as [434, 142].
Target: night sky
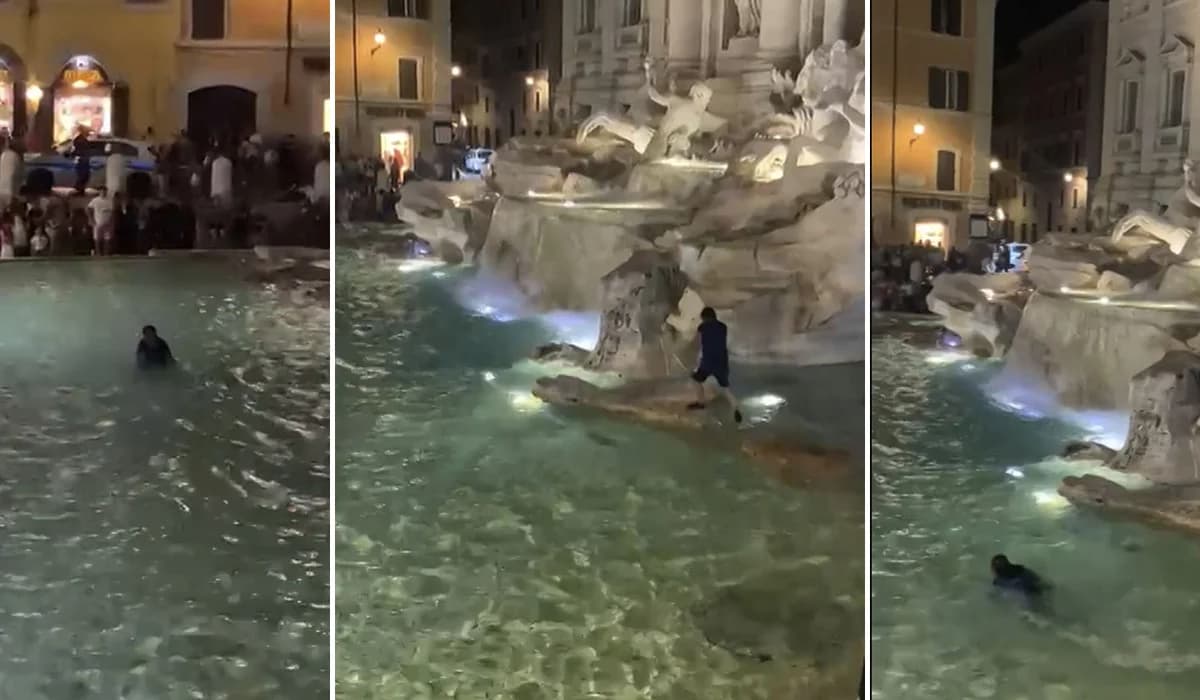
[1016, 19]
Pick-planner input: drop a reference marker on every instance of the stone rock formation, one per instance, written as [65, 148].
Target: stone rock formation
[1163, 443]
[1087, 451]
[983, 310]
[1176, 507]
[1086, 354]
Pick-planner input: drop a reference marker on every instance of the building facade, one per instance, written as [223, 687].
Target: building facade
[1151, 95]
[1048, 128]
[733, 46]
[931, 99]
[393, 78]
[126, 67]
[509, 60]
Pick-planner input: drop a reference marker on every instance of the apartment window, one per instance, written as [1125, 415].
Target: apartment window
[586, 21]
[208, 19]
[409, 89]
[1025, 198]
[1075, 159]
[412, 9]
[632, 14]
[949, 89]
[1176, 84]
[487, 105]
[947, 165]
[1079, 98]
[1129, 106]
[537, 101]
[1023, 230]
[1075, 198]
[1033, 230]
[947, 17]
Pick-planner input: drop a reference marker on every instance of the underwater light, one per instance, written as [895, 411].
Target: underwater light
[1015, 473]
[1050, 499]
[767, 400]
[1104, 300]
[524, 401]
[416, 265]
[489, 376]
[439, 274]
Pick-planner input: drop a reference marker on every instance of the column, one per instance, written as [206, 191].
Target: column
[684, 28]
[811, 26]
[776, 34]
[837, 21]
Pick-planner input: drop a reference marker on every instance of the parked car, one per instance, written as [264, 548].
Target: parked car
[478, 160]
[60, 162]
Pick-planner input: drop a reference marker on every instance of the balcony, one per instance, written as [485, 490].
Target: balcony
[1128, 144]
[1173, 139]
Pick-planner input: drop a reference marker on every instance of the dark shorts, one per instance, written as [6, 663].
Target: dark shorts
[721, 374]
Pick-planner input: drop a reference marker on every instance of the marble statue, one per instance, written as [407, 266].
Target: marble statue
[822, 111]
[749, 16]
[685, 118]
[1179, 225]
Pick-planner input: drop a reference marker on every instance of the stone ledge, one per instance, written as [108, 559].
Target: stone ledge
[1172, 507]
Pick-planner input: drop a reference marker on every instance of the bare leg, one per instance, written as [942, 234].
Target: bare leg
[699, 396]
[727, 393]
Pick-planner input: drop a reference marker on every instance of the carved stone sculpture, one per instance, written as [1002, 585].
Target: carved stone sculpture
[1178, 226]
[749, 16]
[685, 118]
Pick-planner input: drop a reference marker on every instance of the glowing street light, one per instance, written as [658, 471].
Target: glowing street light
[380, 40]
[529, 80]
[1068, 177]
[919, 129]
[34, 93]
[994, 165]
[455, 71]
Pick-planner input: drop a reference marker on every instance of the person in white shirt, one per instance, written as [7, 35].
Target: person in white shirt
[222, 180]
[101, 212]
[321, 178]
[10, 166]
[114, 170]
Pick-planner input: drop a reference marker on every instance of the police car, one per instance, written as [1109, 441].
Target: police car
[60, 162]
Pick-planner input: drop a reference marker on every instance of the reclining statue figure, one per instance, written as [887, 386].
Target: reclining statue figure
[1178, 226]
[685, 117]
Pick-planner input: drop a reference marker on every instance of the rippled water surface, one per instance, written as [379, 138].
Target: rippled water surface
[489, 547]
[162, 535]
[958, 479]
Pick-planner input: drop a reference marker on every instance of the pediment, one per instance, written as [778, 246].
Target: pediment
[1130, 57]
[1178, 48]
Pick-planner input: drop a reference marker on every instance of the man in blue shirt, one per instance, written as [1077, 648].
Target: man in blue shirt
[714, 361]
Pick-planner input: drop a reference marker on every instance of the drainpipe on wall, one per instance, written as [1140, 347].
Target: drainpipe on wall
[287, 69]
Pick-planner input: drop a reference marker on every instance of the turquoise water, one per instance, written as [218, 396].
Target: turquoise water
[958, 478]
[490, 547]
[162, 535]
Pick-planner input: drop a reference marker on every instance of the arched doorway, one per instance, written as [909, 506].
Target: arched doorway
[81, 98]
[12, 91]
[226, 113]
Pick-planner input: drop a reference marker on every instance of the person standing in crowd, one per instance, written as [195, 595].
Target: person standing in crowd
[6, 237]
[20, 230]
[114, 169]
[101, 212]
[10, 170]
[221, 187]
[83, 164]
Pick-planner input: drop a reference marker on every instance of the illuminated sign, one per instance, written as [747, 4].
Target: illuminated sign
[82, 77]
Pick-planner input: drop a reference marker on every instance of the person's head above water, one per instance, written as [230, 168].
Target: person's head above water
[1000, 564]
[149, 332]
[708, 314]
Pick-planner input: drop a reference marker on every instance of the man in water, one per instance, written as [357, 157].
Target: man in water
[153, 351]
[714, 361]
[1008, 576]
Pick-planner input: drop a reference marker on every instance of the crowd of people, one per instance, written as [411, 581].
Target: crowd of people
[902, 276]
[191, 197]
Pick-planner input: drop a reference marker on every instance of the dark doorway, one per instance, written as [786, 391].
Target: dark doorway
[223, 112]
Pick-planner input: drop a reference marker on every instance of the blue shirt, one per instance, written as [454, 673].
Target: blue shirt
[714, 352]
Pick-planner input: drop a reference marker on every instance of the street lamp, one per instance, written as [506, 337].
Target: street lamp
[529, 80]
[380, 40]
[455, 71]
[994, 165]
[1068, 177]
[918, 132]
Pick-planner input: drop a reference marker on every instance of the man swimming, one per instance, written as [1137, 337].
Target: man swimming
[714, 361]
[1014, 577]
[153, 351]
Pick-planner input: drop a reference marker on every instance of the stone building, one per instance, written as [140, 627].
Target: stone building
[1048, 127]
[393, 78]
[124, 67]
[509, 60]
[731, 45]
[931, 115]
[1151, 96]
